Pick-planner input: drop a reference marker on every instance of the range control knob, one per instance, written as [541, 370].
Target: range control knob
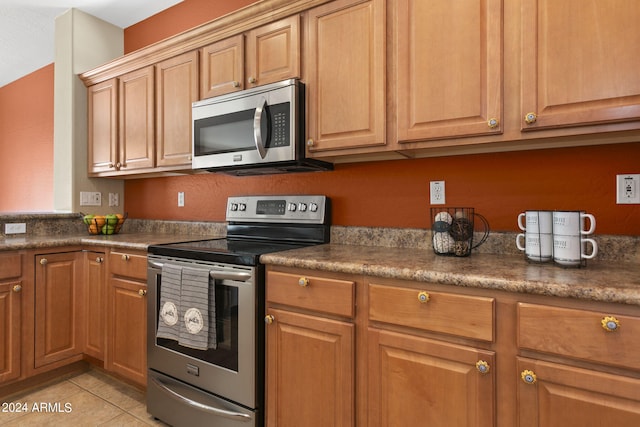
[313, 207]
[242, 207]
[234, 207]
[302, 207]
[292, 207]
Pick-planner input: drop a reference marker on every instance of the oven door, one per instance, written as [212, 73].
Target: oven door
[230, 369]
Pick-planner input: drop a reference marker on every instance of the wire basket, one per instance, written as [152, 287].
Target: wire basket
[104, 224]
[453, 231]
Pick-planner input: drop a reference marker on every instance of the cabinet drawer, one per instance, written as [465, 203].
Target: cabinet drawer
[128, 264]
[579, 334]
[321, 294]
[462, 315]
[10, 266]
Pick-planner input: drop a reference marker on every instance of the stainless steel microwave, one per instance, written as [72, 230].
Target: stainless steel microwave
[254, 131]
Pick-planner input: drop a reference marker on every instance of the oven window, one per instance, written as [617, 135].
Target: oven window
[226, 353]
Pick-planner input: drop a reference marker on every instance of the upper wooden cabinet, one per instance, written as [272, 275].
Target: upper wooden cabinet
[580, 63]
[176, 89]
[264, 55]
[345, 76]
[222, 67]
[136, 137]
[448, 68]
[121, 124]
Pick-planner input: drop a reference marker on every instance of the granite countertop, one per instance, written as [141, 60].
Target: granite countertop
[599, 281]
[132, 241]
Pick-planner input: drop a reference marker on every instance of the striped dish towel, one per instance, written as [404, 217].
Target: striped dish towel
[168, 322]
[195, 303]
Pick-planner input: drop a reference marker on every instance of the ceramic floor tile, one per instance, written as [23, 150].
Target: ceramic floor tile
[124, 420]
[117, 393]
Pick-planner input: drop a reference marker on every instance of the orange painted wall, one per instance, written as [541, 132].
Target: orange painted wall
[395, 193]
[179, 18]
[26, 143]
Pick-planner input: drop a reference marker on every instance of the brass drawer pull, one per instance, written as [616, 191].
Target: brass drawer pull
[43, 261]
[269, 319]
[483, 367]
[493, 123]
[530, 118]
[125, 257]
[303, 281]
[142, 292]
[423, 297]
[529, 377]
[17, 288]
[610, 323]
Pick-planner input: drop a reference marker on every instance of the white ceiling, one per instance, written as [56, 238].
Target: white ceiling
[27, 28]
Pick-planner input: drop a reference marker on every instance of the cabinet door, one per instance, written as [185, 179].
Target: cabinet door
[345, 74]
[127, 346]
[273, 52]
[103, 127]
[58, 323]
[559, 395]
[176, 90]
[580, 62]
[449, 68]
[136, 120]
[420, 382]
[95, 299]
[10, 324]
[222, 67]
[310, 371]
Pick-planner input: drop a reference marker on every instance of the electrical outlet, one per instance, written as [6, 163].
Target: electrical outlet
[436, 192]
[628, 189]
[90, 198]
[114, 199]
[180, 199]
[15, 228]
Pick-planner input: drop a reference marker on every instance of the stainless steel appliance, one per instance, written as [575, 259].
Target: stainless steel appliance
[224, 386]
[255, 131]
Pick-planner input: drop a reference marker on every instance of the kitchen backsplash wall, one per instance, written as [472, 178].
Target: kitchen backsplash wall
[396, 193]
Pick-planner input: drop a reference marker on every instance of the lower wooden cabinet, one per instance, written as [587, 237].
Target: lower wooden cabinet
[10, 316]
[58, 317]
[95, 301]
[127, 348]
[310, 370]
[415, 381]
[552, 394]
[126, 353]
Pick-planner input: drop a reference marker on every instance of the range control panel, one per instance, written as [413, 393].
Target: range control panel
[302, 209]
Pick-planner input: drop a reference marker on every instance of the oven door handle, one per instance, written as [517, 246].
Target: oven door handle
[240, 276]
[236, 416]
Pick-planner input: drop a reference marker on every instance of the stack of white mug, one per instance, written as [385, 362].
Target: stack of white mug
[557, 235]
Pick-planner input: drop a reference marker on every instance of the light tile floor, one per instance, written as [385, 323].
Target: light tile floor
[91, 398]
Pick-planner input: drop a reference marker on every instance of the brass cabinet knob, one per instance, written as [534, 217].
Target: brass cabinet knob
[493, 123]
[530, 118]
[142, 292]
[610, 323]
[17, 288]
[118, 165]
[43, 261]
[99, 260]
[483, 367]
[423, 297]
[310, 142]
[252, 80]
[111, 165]
[303, 281]
[269, 319]
[529, 377]
[236, 83]
[125, 257]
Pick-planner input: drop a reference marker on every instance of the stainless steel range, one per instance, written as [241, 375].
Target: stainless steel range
[205, 339]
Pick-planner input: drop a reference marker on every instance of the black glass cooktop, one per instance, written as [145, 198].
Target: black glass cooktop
[223, 250]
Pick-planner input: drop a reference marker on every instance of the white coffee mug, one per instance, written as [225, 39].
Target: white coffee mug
[571, 250]
[571, 223]
[538, 247]
[536, 222]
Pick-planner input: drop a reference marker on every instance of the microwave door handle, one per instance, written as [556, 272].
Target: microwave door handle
[257, 132]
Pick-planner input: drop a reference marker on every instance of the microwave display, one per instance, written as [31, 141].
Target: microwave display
[233, 132]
